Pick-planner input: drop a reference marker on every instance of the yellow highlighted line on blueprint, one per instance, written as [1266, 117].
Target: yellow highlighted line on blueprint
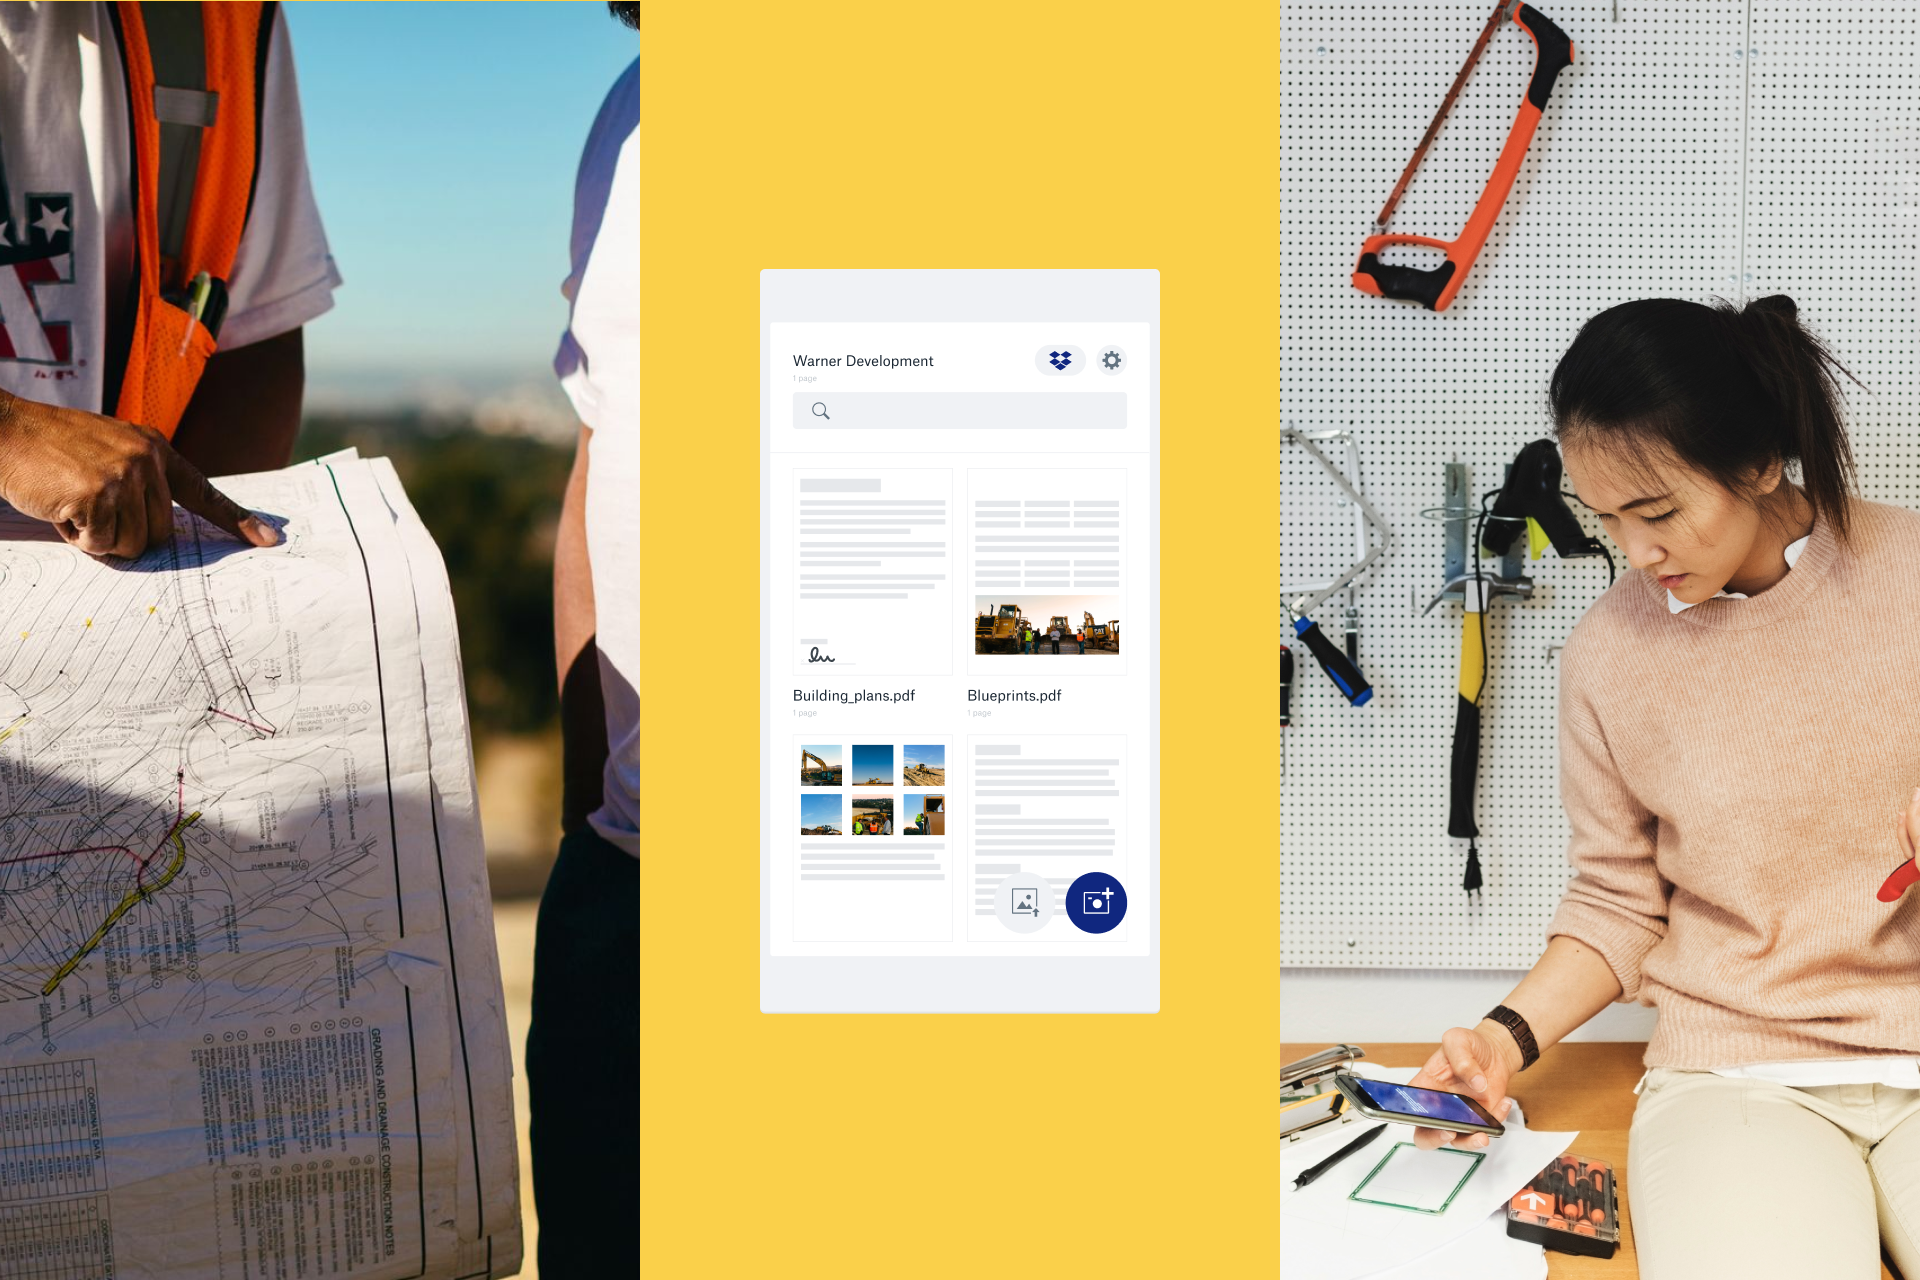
[177, 837]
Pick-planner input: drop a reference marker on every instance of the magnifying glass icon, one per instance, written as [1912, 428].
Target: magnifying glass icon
[820, 410]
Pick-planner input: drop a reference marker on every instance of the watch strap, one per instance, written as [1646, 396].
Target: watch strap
[1522, 1034]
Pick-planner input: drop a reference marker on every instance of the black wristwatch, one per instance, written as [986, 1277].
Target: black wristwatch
[1522, 1034]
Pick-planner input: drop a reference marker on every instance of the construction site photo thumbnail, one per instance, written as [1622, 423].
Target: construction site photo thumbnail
[925, 766]
[820, 766]
[1044, 624]
[872, 815]
[872, 765]
[820, 815]
[923, 815]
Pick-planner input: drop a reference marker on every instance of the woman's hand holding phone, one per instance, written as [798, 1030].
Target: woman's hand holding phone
[1470, 1062]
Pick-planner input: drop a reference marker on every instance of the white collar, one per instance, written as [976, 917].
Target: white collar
[1792, 553]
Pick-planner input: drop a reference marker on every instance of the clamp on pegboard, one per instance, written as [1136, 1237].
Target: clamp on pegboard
[1458, 513]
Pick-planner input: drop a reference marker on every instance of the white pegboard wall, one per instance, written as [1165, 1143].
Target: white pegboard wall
[1701, 150]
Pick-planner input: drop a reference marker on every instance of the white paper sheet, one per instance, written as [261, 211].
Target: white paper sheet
[1485, 1253]
[249, 1003]
[1325, 1236]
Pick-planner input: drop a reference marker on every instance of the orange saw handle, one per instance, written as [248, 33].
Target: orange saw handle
[1434, 288]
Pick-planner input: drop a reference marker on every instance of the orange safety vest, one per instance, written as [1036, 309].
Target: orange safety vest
[195, 82]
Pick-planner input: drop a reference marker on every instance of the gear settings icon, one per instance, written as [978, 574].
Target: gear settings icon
[1112, 359]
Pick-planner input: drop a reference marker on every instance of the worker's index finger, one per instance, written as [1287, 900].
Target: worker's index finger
[196, 493]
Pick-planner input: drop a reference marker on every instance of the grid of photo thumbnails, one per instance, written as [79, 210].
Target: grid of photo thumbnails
[863, 789]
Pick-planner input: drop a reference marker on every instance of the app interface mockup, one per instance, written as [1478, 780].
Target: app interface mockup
[959, 641]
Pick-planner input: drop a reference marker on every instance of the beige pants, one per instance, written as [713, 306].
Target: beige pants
[1742, 1178]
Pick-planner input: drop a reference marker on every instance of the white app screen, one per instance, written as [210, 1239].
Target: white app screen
[959, 641]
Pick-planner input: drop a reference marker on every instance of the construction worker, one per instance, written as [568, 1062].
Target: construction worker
[583, 1049]
[1026, 637]
[1053, 634]
[150, 331]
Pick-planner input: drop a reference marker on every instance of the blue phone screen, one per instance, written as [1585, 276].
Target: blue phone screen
[1405, 1100]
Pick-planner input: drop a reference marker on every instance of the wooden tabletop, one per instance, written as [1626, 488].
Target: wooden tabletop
[1588, 1087]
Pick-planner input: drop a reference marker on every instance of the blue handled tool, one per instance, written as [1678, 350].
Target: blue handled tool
[1340, 668]
[1332, 660]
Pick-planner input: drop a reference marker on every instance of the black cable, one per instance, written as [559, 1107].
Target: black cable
[1478, 526]
[1611, 571]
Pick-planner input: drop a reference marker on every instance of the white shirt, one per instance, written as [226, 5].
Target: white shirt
[599, 365]
[1792, 553]
[68, 224]
[1899, 1073]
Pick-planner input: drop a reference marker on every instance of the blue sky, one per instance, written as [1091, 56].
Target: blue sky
[443, 140]
[871, 762]
[830, 754]
[932, 757]
[820, 810]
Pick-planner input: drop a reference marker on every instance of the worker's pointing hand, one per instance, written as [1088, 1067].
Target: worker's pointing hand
[107, 486]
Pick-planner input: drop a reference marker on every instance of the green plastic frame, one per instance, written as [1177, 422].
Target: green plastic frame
[1473, 1159]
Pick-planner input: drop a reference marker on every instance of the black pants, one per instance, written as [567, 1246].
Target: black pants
[583, 1063]
[1056, 646]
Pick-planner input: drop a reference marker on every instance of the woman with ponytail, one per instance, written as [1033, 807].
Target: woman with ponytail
[1739, 746]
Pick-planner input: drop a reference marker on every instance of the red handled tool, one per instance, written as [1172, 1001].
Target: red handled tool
[1434, 288]
[1903, 876]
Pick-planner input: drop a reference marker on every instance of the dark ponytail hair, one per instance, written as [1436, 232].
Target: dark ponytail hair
[1727, 391]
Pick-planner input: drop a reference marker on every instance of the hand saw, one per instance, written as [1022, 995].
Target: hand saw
[1434, 288]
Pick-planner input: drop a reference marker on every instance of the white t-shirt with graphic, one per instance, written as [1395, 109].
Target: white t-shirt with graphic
[599, 365]
[67, 241]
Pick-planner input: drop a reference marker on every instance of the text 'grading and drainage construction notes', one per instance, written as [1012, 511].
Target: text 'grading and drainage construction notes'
[959, 604]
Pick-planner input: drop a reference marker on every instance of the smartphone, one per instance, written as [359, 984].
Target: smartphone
[1429, 1108]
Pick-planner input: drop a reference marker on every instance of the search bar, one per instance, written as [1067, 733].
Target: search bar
[961, 410]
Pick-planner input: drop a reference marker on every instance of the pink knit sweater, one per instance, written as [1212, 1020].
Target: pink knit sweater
[1731, 774]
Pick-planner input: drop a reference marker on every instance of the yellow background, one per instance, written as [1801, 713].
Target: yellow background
[898, 135]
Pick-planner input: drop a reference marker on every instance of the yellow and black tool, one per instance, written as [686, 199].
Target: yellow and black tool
[1529, 500]
[1465, 762]
[1477, 590]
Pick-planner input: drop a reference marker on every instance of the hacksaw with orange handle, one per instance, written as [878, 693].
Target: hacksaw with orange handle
[1435, 287]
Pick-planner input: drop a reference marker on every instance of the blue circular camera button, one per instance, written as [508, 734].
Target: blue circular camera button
[1096, 902]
